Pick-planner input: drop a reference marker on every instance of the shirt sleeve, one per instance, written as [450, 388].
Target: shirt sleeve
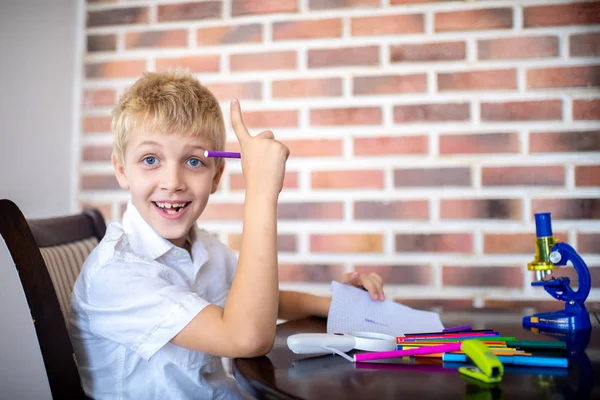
[135, 304]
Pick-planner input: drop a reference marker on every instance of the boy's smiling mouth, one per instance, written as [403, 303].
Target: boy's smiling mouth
[171, 209]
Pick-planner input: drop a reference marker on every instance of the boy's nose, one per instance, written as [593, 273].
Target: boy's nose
[172, 180]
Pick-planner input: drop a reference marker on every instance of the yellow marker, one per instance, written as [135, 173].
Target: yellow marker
[488, 367]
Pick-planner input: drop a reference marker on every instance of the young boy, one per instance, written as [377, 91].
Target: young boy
[159, 301]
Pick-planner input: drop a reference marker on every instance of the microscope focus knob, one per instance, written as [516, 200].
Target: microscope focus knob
[555, 257]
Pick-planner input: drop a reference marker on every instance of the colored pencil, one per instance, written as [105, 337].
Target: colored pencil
[533, 361]
[404, 353]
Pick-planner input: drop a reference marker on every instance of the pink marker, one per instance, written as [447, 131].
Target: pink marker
[445, 348]
[222, 154]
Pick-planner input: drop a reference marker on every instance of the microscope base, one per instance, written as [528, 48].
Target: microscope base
[560, 320]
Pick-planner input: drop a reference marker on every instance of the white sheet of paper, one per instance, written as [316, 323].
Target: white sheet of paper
[353, 310]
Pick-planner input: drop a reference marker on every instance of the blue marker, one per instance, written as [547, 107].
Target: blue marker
[533, 361]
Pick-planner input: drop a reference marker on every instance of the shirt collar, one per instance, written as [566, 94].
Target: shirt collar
[142, 237]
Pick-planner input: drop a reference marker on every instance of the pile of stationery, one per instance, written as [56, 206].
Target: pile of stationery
[509, 350]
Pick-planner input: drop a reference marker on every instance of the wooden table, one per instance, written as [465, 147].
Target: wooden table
[283, 374]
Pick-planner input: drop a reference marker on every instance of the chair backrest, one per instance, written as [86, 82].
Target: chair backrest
[48, 254]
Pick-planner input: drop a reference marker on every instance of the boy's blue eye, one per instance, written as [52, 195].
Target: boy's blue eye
[150, 160]
[194, 162]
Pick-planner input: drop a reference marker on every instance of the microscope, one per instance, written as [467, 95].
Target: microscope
[550, 254]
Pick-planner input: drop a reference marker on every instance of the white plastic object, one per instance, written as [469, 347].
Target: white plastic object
[315, 343]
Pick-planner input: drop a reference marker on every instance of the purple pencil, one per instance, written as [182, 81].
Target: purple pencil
[222, 154]
[444, 348]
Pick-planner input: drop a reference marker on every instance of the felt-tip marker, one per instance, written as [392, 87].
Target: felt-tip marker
[222, 154]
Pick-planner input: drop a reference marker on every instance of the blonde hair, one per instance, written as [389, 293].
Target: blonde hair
[169, 102]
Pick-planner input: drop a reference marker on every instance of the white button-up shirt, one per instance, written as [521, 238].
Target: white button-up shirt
[136, 291]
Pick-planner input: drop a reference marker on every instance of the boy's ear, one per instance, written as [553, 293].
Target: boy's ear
[120, 173]
[217, 177]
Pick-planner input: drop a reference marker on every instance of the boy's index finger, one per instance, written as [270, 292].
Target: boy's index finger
[237, 122]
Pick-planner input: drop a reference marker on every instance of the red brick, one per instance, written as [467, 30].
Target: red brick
[346, 116]
[314, 147]
[104, 208]
[96, 124]
[196, 64]
[308, 29]
[586, 109]
[391, 210]
[271, 119]
[189, 11]
[481, 209]
[518, 47]
[509, 243]
[359, 179]
[264, 61]
[242, 90]
[98, 98]
[418, 144]
[329, 4]
[479, 143]
[568, 208]
[505, 79]
[387, 25]
[491, 276]
[310, 272]
[564, 142]
[115, 69]
[347, 56]
[435, 305]
[587, 175]
[582, 13]
[434, 243]
[156, 39]
[542, 110]
[423, 177]
[346, 243]
[431, 112]
[564, 77]
[440, 51]
[96, 153]
[99, 182]
[237, 182]
[471, 20]
[253, 7]
[285, 243]
[101, 43]
[251, 33]
[523, 176]
[312, 87]
[587, 243]
[223, 212]
[118, 16]
[390, 84]
[399, 274]
[584, 45]
[310, 211]
[529, 306]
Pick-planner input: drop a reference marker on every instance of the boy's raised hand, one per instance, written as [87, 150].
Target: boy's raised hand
[263, 157]
[370, 282]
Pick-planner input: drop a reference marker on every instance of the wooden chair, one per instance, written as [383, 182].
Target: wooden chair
[48, 254]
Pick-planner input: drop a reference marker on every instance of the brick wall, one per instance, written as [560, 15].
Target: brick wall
[424, 134]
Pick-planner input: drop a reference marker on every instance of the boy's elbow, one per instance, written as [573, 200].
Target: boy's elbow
[256, 345]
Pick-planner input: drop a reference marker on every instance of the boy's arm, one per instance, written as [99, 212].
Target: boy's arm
[295, 305]
[245, 327]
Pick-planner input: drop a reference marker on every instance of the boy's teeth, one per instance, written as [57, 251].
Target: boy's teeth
[170, 205]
